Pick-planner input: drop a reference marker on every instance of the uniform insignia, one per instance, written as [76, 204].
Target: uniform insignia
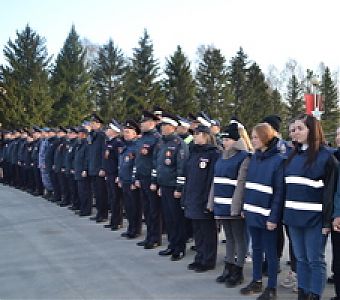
[127, 158]
[203, 164]
[144, 151]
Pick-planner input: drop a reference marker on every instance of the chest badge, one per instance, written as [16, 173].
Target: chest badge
[203, 164]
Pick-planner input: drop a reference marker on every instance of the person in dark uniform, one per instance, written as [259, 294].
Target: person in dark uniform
[142, 180]
[22, 174]
[27, 163]
[199, 175]
[132, 204]
[38, 185]
[69, 168]
[96, 172]
[59, 167]
[80, 167]
[167, 174]
[113, 147]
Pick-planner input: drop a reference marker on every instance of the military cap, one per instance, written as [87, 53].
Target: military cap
[170, 119]
[132, 124]
[231, 132]
[96, 118]
[202, 128]
[114, 125]
[146, 116]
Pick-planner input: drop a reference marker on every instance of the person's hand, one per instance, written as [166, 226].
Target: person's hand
[177, 194]
[271, 226]
[132, 187]
[101, 173]
[153, 187]
[137, 184]
[336, 224]
[326, 231]
[159, 192]
[83, 174]
[242, 215]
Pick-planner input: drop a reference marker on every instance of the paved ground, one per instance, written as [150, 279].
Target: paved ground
[46, 252]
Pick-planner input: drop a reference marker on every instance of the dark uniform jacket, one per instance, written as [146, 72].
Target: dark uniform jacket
[168, 162]
[80, 162]
[112, 149]
[96, 148]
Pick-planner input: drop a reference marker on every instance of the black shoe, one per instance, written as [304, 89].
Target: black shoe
[125, 234]
[165, 252]
[131, 236]
[151, 245]
[115, 228]
[236, 277]
[177, 256]
[193, 266]
[101, 220]
[141, 243]
[268, 294]
[255, 287]
[193, 248]
[63, 204]
[203, 268]
[94, 218]
[107, 226]
[226, 273]
[84, 214]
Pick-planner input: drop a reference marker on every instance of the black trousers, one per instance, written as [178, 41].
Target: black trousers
[64, 188]
[55, 185]
[174, 219]
[38, 181]
[85, 195]
[73, 191]
[205, 235]
[100, 193]
[28, 178]
[133, 209]
[336, 261]
[115, 201]
[152, 212]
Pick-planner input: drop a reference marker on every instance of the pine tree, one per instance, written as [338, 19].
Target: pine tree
[71, 83]
[179, 85]
[294, 97]
[256, 103]
[330, 117]
[237, 76]
[142, 85]
[109, 72]
[212, 86]
[25, 100]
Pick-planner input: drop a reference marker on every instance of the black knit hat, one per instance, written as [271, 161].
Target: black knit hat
[202, 128]
[274, 121]
[231, 132]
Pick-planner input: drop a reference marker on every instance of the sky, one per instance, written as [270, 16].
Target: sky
[270, 31]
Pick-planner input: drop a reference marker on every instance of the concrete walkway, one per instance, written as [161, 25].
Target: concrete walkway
[46, 252]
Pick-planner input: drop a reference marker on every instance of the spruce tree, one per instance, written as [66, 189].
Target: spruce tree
[237, 76]
[71, 83]
[256, 102]
[212, 86]
[330, 117]
[179, 85]
[142, 85]
[109, 71]
[25, 96]
[294, 97]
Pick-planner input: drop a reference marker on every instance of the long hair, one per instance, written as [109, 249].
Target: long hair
[315, 138]
[244, 135]
[265, 133]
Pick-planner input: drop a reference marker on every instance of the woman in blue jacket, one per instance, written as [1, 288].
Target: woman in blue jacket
[310, 177]
[263, 201]
[229, 181]
[199, 174]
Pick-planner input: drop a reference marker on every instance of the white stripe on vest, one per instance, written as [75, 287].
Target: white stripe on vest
[224, 180]
[256, 209]
[303, 205]
[304, 181]
[221, 200]
[259, 187]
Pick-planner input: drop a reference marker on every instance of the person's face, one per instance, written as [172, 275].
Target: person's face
[215, 129]
[82, 135]
[337, 138]
[182, 130]
[255, 140]
[301, 132]
[61, 134]
[228, 143]
[291, 130]
[199, 138]
[95, 125]
[167, 129]
[111, 133]
[129, 134]
[147, 125]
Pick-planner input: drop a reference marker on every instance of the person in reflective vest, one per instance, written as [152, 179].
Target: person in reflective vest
[263, 201]
[310, 179]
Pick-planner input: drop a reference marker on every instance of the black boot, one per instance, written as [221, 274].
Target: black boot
[302, 295]
[313, 297]
[236, 277]
[225, 274]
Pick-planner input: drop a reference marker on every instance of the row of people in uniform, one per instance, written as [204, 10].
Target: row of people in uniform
[183, 181]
